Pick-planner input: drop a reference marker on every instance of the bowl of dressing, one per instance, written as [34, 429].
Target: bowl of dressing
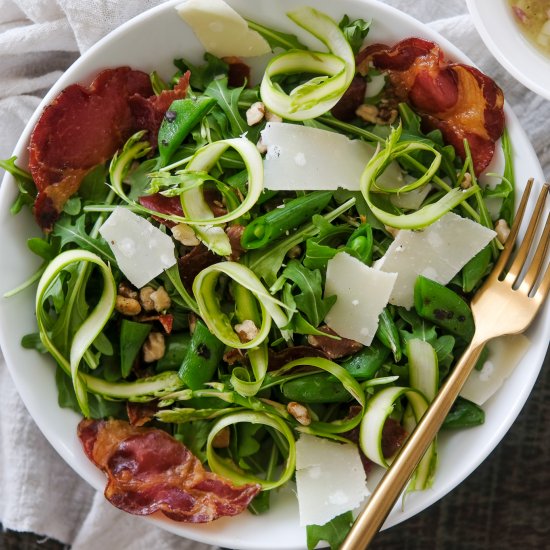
[517, 33]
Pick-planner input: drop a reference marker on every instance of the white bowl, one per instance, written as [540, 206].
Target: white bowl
[495, 23]
[168, 37]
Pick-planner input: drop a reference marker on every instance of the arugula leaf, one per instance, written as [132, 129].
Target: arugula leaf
[24, 181]
[277, 39]
[420, 328]
[334, 532]
[228, 100]
[138, 179]
[43, 248]
[93, 187]
[203, 75]
[194, 437]
[76, 234]
[309, 300]
[355, 31]
[33, 341]
[73, 206]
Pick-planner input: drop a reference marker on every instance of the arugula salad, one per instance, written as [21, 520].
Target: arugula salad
[279, 269]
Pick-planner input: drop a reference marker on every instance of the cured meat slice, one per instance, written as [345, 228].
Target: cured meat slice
[81, 128]
[149, 471]
[457, 99]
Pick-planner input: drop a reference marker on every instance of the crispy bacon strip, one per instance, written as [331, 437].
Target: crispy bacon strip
[457, 99]
[149, 471]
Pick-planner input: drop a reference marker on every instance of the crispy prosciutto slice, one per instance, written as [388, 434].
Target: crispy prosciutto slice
[149, 471]
[457, 99]
[84, 126]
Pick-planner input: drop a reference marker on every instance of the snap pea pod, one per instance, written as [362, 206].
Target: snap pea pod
[388, 334]
[182, 116]
[366, 363]
[360, 243]
[474, 271]
[280, 221]
[177, 346]
[464, 414]
[443, 307]
[132, 336]
[316, 388]
[202, 358]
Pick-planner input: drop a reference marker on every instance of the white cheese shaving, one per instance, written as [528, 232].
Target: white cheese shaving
[504, 355]
[221, 30]
[311, 159]
[142, 251]
[330, 479]
[438, 252]
[362, 293]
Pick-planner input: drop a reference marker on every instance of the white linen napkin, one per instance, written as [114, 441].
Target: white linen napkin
[38, 40]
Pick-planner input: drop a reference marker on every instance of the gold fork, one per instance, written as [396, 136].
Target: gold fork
[506, 304]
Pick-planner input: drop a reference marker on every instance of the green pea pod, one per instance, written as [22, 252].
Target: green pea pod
[182, 116]
[177, 346]
[388, 334]
[320, 387]
[360, 243]
[443, 307]
[464, 414]
[202, 358]
[474, 271]
[366, 363]
[280, 221]
[132, 336]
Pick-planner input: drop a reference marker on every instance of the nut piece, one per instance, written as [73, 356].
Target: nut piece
[261, 146]
[294, 252]
[255, 113]
[466, 182]
[374, 115]
[185, 235]
[246, 330]
[393, 231]
[221, 439]
[299, 412]
[502, 230]
[272, 117]
[145, 298]
[161, 299]
[127, 306]
[127, 290]
[154, 347]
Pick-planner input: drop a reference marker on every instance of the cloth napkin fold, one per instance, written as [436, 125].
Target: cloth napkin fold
[38, 40]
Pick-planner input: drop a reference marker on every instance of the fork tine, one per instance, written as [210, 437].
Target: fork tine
[519, 261]
[544, 287]
[508, 247]
[537, 261]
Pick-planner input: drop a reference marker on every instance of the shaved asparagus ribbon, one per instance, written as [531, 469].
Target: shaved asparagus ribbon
[90, 328]
[426, 215]
[196, 210]
[204, 289]
[320, 94]
[230, 470]
[424, 378]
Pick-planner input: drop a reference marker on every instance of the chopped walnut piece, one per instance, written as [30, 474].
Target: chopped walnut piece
[261, 146]
[246, 330]
[127, 290]
[466, 182]
[222, 438]
[299, 412]
[374, 115]
[502, 230]
[127, 306]
[161, 299]
[294, 252]
[145, 298]
[184, 234]
[154, 347]
[272, 117]
[255, 113]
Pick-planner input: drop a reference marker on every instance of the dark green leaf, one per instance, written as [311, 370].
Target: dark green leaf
[194, 435]
[334, 532]
[203, 75]
[73, 206]
[228, 100]
[33, 341]
[138, 179]
[25, 184]
[132, 337]
[464, 414]
[419, 328]
[93, 187]
[42, 248]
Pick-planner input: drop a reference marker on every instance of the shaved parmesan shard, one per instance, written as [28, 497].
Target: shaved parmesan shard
[437, 252]
[142, 251]
[504, 355]
[310, 159]
[330, 479]
[221, 30]
[362, 293]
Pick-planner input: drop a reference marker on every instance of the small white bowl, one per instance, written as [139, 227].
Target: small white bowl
[495, 23]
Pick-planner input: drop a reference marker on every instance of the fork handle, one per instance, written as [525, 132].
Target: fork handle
[370, 520]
